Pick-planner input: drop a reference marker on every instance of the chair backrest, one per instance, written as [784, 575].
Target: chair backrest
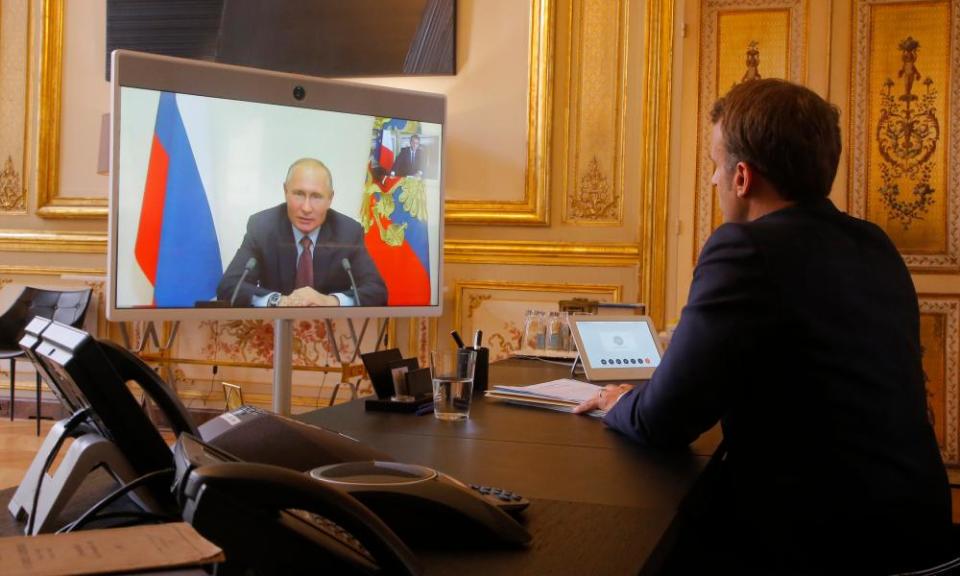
[68, 307]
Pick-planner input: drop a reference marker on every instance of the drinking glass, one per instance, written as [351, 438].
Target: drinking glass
[452, 383]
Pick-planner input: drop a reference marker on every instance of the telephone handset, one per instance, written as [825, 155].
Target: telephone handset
[130, 367]
[272, 520]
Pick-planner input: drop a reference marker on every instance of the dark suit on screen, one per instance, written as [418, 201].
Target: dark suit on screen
[801, 335]
[270, 240]
[405, 165]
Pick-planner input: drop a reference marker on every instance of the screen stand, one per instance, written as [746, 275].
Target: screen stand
[282, 365]
[87, 452]
[573, 367]
[283, 359]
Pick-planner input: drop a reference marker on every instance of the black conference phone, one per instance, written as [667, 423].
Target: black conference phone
[342, 517]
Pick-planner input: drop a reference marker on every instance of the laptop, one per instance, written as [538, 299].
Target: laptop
[617, 347]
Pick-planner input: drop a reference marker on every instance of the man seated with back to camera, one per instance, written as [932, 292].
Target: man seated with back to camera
[294, 252]
[801, 336]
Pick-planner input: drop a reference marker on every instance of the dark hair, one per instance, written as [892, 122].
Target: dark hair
[785, 131]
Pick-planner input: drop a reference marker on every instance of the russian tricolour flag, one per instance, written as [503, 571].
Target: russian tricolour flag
[176, 246]
[397, 239]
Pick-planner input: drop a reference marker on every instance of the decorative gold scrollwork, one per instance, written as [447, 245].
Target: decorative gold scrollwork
[753, 62]
[13, 197]
[907, 135]
[594, 200]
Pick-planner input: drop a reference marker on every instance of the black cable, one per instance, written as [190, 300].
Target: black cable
[139, 514]
[75, 420]
[111, 497]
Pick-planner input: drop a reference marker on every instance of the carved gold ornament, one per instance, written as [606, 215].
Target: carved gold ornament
[594, 200]
[753, 62]
[907, 133]
[13, 197]
[475, 301]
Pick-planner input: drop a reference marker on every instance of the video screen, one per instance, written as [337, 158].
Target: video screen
[229, 203]
[619, 344]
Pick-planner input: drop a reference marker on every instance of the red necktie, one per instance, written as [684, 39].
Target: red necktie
[305, 264]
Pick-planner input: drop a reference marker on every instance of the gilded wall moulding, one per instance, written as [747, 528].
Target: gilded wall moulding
[60, 242]
[940, 340]
[534, 209]
[15, 113]
[594, 201]
[655, 154]
[49, 203]
[13, 196]
[15, 270]
[905, 130]
[595, 112]
[497, 308]
[741, 40]
[539, 253]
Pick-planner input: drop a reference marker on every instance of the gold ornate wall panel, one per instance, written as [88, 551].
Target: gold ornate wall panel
[940, 338]
[539, 253]
[596, 112]
[655, 155]
[534, 209]
[905, 127]
[741, 40]
[497, 308]
[49, 202]
[16, 23]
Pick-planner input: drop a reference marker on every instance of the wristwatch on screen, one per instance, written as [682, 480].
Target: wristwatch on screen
[273, 300]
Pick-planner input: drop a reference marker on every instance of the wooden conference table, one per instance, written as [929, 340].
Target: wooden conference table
[600, 504]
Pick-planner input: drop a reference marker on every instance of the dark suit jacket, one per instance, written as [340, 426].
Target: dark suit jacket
[270, 240]
[404, 166]
[801, 335]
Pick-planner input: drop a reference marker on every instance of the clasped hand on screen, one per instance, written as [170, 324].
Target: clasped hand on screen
[605, 398]
[307, 296]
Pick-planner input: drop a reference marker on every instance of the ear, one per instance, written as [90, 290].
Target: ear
[743, 179]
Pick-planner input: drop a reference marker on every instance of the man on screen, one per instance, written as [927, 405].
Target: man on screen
[410, 160]
[294, 253]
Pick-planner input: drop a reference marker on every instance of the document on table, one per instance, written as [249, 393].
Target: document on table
[560, 395]
[110, 550]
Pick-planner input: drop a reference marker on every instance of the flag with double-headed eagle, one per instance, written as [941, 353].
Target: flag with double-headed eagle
[394, 218]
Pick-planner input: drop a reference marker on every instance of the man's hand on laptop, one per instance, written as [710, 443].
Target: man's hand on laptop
[605, 398]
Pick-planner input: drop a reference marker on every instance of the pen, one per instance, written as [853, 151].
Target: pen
[425, 409]
[477, 337]
[456, 338]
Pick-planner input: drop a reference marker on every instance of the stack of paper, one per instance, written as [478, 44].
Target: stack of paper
[561, 395]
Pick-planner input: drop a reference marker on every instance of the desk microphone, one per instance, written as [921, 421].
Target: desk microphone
[353, 284]
[251, 264]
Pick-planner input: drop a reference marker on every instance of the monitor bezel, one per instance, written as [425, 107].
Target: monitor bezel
[201, 78]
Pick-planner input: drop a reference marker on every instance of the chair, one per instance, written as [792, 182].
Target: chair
[68, 307]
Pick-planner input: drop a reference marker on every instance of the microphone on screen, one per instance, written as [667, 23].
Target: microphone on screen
[251, 264]
[353, 284]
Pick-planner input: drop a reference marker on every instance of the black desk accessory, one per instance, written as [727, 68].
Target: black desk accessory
[388, 405]
[378, 368]
[398, 374]
[419, 382]
[481, 370]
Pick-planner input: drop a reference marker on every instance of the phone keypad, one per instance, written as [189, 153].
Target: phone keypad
[504, 499]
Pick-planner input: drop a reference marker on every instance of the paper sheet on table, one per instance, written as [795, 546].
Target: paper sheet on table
[565, 389]
[104, 551]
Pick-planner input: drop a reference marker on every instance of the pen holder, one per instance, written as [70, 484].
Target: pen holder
[480, 370]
